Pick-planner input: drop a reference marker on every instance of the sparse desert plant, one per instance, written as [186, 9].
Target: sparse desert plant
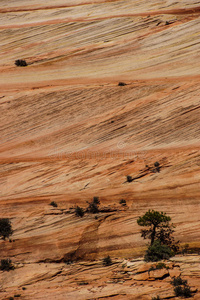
[158, 266]
[178, 281]
[79, 211]
[183, 291]
[181, 287]
[129, 178]
[157, 167]
[82, 283]
[93, 206]
[121, 83]
[107, 261]
[20, 63]
[156, 164]
[187, 293]
[178, 290]
[157, 252]
[161, 265]
[6, 265]
[96, 200]
[54, 204]
[122, 202]
[17, 295]
[5, 228]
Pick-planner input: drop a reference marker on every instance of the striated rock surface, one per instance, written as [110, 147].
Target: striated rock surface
[92, 280]
[69, 133]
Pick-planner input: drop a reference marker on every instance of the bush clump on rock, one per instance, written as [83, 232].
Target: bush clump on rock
[122, 202]
[96, 200]
[157, 252]
[184, 291]
[121, 83]
[157, 167]
[79, 211]
[93, 207]
[54, 204]
[20, 63]
[158, 266]
[181, 288]
[107, 261]
[5, 228]
[178, 281]
[129, 178]
[6, 265]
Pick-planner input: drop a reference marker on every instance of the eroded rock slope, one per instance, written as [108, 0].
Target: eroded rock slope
[69, 133]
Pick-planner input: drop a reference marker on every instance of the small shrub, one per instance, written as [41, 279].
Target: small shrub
[183, 291]
[156, 164]
[79, 211]
[181, 287]
[121, 83]
[129, 178]
[83, 283]
[187, 293]
[96, 200]
[6, 265]
[122, 202]
[178, 281]
[20, 63]
[178, 290]
[159, 266]
[17, 295]
[54, 204]
[158, 252]
[11, 298]
[157, 167]
[5, 228]
[93, 208]
[156, 298]
[107, 261]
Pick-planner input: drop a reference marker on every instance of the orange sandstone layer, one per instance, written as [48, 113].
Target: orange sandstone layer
[69, 132]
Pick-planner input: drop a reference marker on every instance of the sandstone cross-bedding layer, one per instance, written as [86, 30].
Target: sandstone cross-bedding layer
[69, 132]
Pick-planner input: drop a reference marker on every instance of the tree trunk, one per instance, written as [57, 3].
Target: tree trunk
[153, 234]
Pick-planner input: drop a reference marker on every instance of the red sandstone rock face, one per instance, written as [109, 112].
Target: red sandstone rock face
[92, 280]
[69, 133]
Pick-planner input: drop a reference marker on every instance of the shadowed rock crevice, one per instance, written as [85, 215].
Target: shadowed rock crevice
[88, 247]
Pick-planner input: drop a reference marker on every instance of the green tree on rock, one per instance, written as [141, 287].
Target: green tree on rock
[159, 231]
